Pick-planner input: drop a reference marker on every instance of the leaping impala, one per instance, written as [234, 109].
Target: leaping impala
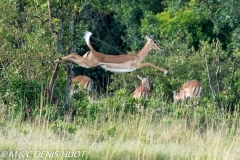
[190, 89]
[143, 90]
[113, 63]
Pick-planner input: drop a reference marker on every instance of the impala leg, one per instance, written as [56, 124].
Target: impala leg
[75, 58]
[69, 57]
[140, 65]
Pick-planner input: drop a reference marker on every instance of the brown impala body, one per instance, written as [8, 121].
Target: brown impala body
[113, 63]
[142, 91]
[82, 82]
[190, 89]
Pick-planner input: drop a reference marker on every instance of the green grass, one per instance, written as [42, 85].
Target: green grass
[173, 133]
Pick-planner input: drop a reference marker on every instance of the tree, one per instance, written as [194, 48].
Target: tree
[24, 44]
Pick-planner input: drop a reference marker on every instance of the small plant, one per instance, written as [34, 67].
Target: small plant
[111, 131]
[61, 126]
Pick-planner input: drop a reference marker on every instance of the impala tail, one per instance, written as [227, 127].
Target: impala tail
[197, 91]
[87, 36]
[89, 86]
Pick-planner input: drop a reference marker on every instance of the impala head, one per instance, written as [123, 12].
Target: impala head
[176, 97]
[145, 82]
[153, 43]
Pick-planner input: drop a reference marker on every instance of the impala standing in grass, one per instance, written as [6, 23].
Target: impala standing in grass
[190, 89]
[81, 81]
[142, 91]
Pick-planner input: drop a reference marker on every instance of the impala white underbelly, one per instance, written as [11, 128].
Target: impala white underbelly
[117, 70]
[84, 66]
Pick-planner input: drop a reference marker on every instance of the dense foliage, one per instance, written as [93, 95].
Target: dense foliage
[200, 39]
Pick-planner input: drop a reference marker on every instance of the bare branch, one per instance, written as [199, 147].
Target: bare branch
[209, 81]
[218, 65]
[53, 97]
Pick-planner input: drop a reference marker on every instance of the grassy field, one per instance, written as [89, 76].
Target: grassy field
[120, 135]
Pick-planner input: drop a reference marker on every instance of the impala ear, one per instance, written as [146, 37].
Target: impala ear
[147, 76]
[139, 77]
[148, 38]
[151, 37]
[174, 92]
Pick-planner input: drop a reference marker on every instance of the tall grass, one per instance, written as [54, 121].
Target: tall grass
[169, 132]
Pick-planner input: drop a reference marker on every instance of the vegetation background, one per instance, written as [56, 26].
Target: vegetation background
[201, 40]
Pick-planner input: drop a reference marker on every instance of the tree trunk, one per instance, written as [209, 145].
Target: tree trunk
[69, 65]
[50, 15]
